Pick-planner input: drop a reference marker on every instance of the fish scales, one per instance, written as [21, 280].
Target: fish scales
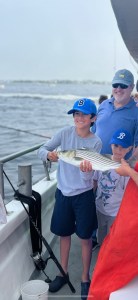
[96, 157]
[99, 161]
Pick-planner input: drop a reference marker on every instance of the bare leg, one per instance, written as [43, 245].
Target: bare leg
[65, 243]
[86, 258]
[59, 281]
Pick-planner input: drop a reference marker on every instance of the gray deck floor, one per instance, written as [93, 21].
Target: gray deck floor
[75, 267]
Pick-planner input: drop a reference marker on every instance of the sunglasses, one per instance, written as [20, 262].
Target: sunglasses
[121, 85]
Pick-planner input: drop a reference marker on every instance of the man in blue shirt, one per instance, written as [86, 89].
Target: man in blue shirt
[118, 112]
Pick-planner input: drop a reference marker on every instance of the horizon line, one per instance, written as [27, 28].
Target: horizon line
[57, 81]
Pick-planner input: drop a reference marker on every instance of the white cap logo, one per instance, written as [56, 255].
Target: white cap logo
[121, 136]
[81, 102]
[122, 75]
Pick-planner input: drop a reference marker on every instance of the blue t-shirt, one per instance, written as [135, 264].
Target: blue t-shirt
[110, 119]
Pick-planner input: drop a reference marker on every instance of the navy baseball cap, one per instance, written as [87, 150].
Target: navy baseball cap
[124, 77]
[84, 105]
[122, 137]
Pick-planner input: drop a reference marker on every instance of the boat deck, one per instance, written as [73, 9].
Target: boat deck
[75, 268]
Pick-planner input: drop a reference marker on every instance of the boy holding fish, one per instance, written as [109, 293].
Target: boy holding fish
[74, 210]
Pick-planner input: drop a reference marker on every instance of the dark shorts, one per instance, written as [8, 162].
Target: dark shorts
[75, 214]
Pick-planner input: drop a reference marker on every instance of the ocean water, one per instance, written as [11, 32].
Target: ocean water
[31, 112]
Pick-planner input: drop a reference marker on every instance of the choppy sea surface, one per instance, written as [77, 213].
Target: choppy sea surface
[31, 112]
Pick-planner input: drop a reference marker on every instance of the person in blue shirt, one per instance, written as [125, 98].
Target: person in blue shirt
[118, 112]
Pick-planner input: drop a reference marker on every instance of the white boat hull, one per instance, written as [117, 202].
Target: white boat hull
[16, 264]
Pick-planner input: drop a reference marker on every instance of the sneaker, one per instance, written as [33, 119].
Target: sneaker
[84, 290]
[57, 283]
[95, 245]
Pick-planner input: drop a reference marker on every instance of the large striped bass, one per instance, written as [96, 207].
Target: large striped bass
[99, 162]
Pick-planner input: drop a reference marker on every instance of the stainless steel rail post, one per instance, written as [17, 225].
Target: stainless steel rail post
[25, 179]
[47, 165]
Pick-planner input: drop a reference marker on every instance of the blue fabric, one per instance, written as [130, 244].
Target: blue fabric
[85, 105]
[75, 214]
[94, 235]
[122, 137]
[110, 119]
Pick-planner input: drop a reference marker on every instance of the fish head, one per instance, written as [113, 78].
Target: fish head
[69, 156]
[66, 154]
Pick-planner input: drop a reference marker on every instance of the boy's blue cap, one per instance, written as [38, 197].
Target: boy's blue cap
[85, 105]
[123, 76]
[122, 137]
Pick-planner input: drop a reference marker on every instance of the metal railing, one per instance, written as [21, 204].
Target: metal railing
[15, 155]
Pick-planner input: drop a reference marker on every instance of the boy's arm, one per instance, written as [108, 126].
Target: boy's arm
[126, 170]
[86, 170]
[47, 150]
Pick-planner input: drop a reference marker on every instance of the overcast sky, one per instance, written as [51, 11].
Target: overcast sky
[60, 39]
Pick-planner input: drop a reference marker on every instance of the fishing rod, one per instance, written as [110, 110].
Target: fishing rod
[25, 131]
[39, 262]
